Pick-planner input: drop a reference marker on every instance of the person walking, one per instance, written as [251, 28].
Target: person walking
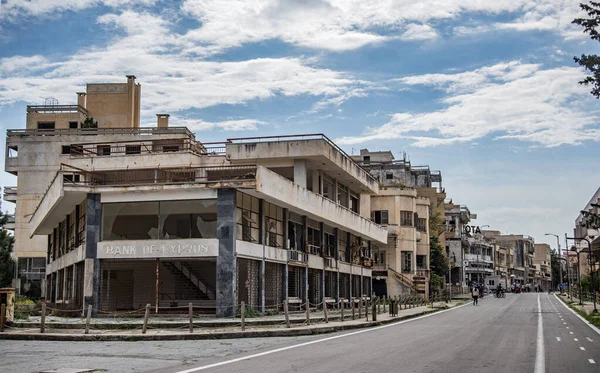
[475, 294]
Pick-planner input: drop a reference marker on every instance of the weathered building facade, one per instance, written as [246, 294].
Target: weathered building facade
[128, 216]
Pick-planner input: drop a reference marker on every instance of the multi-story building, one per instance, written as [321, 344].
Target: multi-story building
[541, 260]
[502, 262]
[457, 244]
[587, 229]
[34, 155]
[129, 216]
[522, 268]
[409, 196]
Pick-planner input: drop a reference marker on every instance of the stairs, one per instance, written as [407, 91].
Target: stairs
[404, 280]
[193, 282]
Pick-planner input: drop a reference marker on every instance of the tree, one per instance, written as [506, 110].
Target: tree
[590, 62]
[555, 266]
[89, 123]
[438, 263]
[7, 264]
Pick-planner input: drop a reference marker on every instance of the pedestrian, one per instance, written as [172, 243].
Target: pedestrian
[475, 294]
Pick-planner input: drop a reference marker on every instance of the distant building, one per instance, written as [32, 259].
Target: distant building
[541, 260]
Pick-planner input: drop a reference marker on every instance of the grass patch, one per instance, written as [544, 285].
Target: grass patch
[593, 319]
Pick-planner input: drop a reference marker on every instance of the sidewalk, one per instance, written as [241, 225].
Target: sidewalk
[587, 307]
[177, 328]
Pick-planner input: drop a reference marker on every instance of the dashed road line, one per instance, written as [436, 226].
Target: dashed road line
[591, 361]
[589, 339]
[582, 348]
[576, 340]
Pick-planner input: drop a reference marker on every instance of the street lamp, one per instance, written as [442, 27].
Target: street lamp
[591, 270]
[559, 255]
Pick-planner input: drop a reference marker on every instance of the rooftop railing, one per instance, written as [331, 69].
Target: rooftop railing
[145, 131]
[103, 149]
[56, 109]
[182, 175]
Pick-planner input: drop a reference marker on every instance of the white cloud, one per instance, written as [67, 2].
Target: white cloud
[15, 9]
[510, 100]
[171, 80]
[419, 32]
[227, 125]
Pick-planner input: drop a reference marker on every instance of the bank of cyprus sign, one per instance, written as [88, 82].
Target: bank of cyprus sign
[158, 249]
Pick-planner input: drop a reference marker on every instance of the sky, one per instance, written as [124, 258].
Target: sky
[484, 91]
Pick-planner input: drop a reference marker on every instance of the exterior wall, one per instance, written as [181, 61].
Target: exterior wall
[61, 120]
[110, 105]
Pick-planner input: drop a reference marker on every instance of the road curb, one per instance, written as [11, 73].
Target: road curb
[293, 332]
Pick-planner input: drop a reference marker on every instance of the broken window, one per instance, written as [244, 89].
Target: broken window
[406, 218]
[380, 217]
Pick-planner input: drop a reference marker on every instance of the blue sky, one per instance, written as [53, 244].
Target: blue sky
[484, 91]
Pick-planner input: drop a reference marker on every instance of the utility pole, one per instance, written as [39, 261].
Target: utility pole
[593, 278]
[568, 271]
[559, 264]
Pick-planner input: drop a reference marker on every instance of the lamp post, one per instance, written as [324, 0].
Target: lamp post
[591, 271]
[559, 255]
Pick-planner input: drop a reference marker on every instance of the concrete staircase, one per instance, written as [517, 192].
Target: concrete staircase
[194, 282]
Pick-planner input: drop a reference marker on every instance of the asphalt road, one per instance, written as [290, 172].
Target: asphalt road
[498, 335]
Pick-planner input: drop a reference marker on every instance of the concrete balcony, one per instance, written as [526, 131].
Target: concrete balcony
[10, 194]
[478, 258]
[281, 191]
[10, 223]
[316, 149]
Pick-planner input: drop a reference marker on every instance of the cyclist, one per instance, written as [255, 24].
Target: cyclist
[499, 290]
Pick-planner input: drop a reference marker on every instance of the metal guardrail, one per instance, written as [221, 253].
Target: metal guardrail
[43, 109]
[182, 175]
[104, 149]
[147, 131]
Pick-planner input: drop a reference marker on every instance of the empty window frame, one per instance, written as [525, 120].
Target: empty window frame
[406, 218]
[380, 217]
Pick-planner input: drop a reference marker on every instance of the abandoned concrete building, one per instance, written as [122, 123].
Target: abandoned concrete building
[127, 216]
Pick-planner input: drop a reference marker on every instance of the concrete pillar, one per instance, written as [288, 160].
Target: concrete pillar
[261, 240]
[226, 260]
[131, 100]
[300, 175]
[162, 120]
[316, 186]
[306, 285]
[285, 246]
[336, 254]
[65, 284]
[322, 234]
[93, 219]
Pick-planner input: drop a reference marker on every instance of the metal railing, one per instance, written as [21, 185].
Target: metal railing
[297, 256]
[146, 131]
[182, 175]
[51, 109]
[104, 149]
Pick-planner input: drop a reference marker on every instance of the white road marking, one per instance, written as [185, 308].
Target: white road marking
[567, 327]
[589, 339]
[540, 363]
[582, 348]
[591, 361]
[571, 332]
[576, 340]
[325, 340]
[578, 315]
[558, 339]
[564, 323]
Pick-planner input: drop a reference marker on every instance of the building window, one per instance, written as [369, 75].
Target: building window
[81, 223]
[103, 149]
[45, 125]
[367, 159]
[170, 148]
[379, 258]
[328, 189]
[133, 149]
[329, 245]
[273, 224]
[422, 225]
[406, 218]
[380, 217]
[354, 203]
[159, 220]
[313, 238]
[389, 176]
[72, 124]
[247, 218]
[342, 195]
[422, 261]
[66, 149]
[406, 262]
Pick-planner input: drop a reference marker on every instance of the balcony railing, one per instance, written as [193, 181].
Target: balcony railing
[298, 256]
[104, 149]
[10, 194]
[142, 131]
[343, 256]
[56, 109]
[185, 175]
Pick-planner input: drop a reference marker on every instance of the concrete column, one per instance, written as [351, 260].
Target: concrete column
[285, 246]
[306, 285]
[316, 188]
[81, 99]
[337, 273]
[93, 219]
[226, 260]
[300, 175]
[65, 284]
[304, 234]
[350, 295]
[74, 283]
[322, 234]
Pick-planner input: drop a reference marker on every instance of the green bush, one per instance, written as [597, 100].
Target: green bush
[250, 313]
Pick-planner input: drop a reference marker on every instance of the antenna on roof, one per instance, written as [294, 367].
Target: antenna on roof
[50, 101]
